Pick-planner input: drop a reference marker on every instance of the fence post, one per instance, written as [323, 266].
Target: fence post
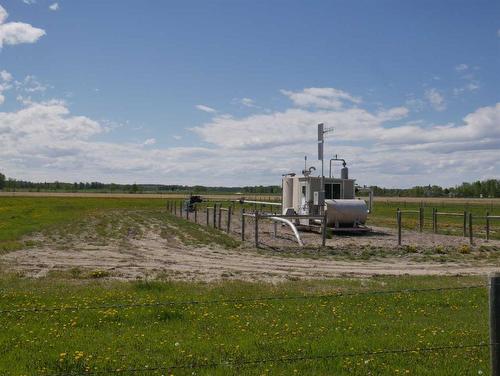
[495, 323]
[471, 235]
[195, 213]
[256, 230]
[323, 231]
[398, 217]
[487, 226]
[465, 224]
[229, 212]
[275, 229]
[242, 224]
[421, 219]
[187, 213]
[208, 215]
[220, 217]
[215, 215]
[434, 220]
[175, 208]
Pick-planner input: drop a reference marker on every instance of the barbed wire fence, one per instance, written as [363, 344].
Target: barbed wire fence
[493, 343]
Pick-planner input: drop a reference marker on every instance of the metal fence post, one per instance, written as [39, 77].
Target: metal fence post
[495, 323]
[175, 208]
[471, 235]
[242, 224]
[487, 226]
[187, 212]
[229, 212]
[208, 215]
[256, 230]
[398, 217]
[196, 214]
[465, 224]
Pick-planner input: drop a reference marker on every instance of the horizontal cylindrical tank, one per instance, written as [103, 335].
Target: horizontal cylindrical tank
[344, 173]
[346, 213]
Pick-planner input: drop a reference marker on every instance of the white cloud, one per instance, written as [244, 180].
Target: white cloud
[17, 32]
[177, 137]
[324, 98]
[435, 99]
[54, 7]
[204, 108]
[29, 2]
[5, 76]
[461, 67]
[45, 141]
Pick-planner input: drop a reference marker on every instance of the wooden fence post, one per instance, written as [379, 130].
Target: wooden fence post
[487, 226]
[215, 215]
[229, 212]
[187, 212]
[195, 213]
[434, 221]
[421, 219]
[220, 217]
[242, 224]
[495, 323]
[471, 235]
[175, 208]
[323, 231]
[256, 230]
[398, 217]
[208, 215]
[465, 224]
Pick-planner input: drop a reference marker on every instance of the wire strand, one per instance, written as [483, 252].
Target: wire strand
[239, 300]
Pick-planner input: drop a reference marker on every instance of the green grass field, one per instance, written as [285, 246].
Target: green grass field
[247, 337]
[240, 337]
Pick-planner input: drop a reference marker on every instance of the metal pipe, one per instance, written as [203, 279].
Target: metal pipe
[292, 226]
[336, 159]
[259, 202]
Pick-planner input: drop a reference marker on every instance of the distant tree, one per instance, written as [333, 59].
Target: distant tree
[2, 181]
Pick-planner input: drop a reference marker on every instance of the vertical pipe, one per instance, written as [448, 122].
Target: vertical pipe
[421, 219]
[487, 226]
[256, 230]
[465, 224]
[229, 212]
[471, 235]
[495, 323]
[398, 217]
[242, 224]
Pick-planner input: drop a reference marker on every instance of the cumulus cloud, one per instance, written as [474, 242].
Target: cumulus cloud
[204, 108]
[435, 99]
[54, 7]
[17, 32]
[150, 141]
[324, 98]
[45, 140]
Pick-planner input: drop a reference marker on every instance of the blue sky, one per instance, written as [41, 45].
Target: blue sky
[229, 92]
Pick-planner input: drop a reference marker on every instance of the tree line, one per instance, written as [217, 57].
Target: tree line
[484, 188]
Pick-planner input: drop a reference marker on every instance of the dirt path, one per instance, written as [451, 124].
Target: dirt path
[154, 256]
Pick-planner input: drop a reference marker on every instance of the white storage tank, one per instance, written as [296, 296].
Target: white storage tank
[346, 213]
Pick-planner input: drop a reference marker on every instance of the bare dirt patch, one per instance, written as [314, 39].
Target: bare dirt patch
[138, 246]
